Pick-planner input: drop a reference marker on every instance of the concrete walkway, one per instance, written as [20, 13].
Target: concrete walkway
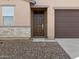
[71, 46]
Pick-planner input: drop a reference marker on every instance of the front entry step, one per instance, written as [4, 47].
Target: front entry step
[42, 40]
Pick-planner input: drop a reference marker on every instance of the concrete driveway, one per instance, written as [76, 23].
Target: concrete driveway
[70, 45]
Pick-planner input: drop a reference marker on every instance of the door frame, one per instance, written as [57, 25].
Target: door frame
[45, 20]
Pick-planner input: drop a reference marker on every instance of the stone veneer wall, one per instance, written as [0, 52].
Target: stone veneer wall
[15, 32]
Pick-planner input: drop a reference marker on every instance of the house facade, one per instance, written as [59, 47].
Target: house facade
[39, 18]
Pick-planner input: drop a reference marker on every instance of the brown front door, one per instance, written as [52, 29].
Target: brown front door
[38, 23]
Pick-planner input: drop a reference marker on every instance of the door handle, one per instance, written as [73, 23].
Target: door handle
[42, 26]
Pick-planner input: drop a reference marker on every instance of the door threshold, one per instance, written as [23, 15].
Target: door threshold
[42, 40]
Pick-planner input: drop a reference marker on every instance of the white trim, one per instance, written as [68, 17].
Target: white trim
[65, 7]
[4, 14]
[8, 5]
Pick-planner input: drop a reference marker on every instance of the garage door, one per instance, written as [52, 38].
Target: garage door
[67, 23]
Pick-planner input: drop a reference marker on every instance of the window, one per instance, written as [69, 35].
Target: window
[8, 14]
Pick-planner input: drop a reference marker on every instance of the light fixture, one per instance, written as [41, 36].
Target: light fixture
[32, 2]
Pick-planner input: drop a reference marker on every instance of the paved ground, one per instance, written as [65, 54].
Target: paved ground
[71, 46]
[23, 49]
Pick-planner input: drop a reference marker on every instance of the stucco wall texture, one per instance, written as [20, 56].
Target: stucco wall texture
[22, 15]
[52, 5]
[21, 12]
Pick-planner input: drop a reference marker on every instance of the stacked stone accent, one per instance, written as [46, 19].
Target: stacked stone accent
[15, 32]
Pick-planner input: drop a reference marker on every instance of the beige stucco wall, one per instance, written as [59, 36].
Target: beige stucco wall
[21, 22]
[22, 12]
[56, 4]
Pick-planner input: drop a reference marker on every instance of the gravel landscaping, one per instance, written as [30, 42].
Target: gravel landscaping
[23, 49]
